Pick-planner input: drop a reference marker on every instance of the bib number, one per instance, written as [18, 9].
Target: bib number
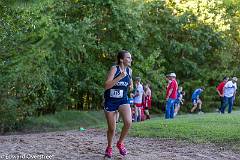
[116, 93]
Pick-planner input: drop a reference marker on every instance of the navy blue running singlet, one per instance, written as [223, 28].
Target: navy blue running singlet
[118, 94]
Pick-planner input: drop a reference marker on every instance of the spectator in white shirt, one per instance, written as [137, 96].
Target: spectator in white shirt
[138, 99]
[229, 91]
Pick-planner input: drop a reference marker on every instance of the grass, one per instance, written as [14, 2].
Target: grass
[212, 127]
[65, 120]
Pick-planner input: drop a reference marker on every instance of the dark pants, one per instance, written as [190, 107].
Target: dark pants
[222, 103]
[227, 101]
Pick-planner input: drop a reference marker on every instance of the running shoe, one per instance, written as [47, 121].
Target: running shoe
[121, 148]
[108, 152]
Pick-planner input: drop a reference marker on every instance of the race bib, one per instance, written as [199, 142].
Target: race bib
[116, 93]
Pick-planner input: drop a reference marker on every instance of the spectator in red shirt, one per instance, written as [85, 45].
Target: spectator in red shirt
[220, 91]
[171, 96]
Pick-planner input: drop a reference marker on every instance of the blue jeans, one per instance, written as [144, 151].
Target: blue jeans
[169, 108]
[227, 101]
[222, 103]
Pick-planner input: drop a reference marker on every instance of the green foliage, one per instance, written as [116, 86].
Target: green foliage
[56, 54]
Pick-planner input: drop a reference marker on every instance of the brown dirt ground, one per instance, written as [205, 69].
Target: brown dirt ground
[90, 145]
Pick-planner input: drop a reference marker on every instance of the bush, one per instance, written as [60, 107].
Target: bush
[8, 116]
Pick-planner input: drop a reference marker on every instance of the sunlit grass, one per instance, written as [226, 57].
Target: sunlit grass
[65, 120]
[211, 127]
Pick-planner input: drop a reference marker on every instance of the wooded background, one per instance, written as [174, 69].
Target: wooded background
[55, 54]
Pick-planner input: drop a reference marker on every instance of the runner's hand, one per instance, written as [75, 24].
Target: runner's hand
[123, 74]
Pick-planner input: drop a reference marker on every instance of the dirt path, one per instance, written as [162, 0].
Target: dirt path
[90, 144]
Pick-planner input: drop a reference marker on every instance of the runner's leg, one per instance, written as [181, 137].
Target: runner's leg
[125, 112]
[111, 122]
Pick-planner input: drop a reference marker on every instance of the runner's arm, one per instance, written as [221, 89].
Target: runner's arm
[110, 82]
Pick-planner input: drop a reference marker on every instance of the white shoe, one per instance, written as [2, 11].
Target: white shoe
[200, 112]
[174, 115]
